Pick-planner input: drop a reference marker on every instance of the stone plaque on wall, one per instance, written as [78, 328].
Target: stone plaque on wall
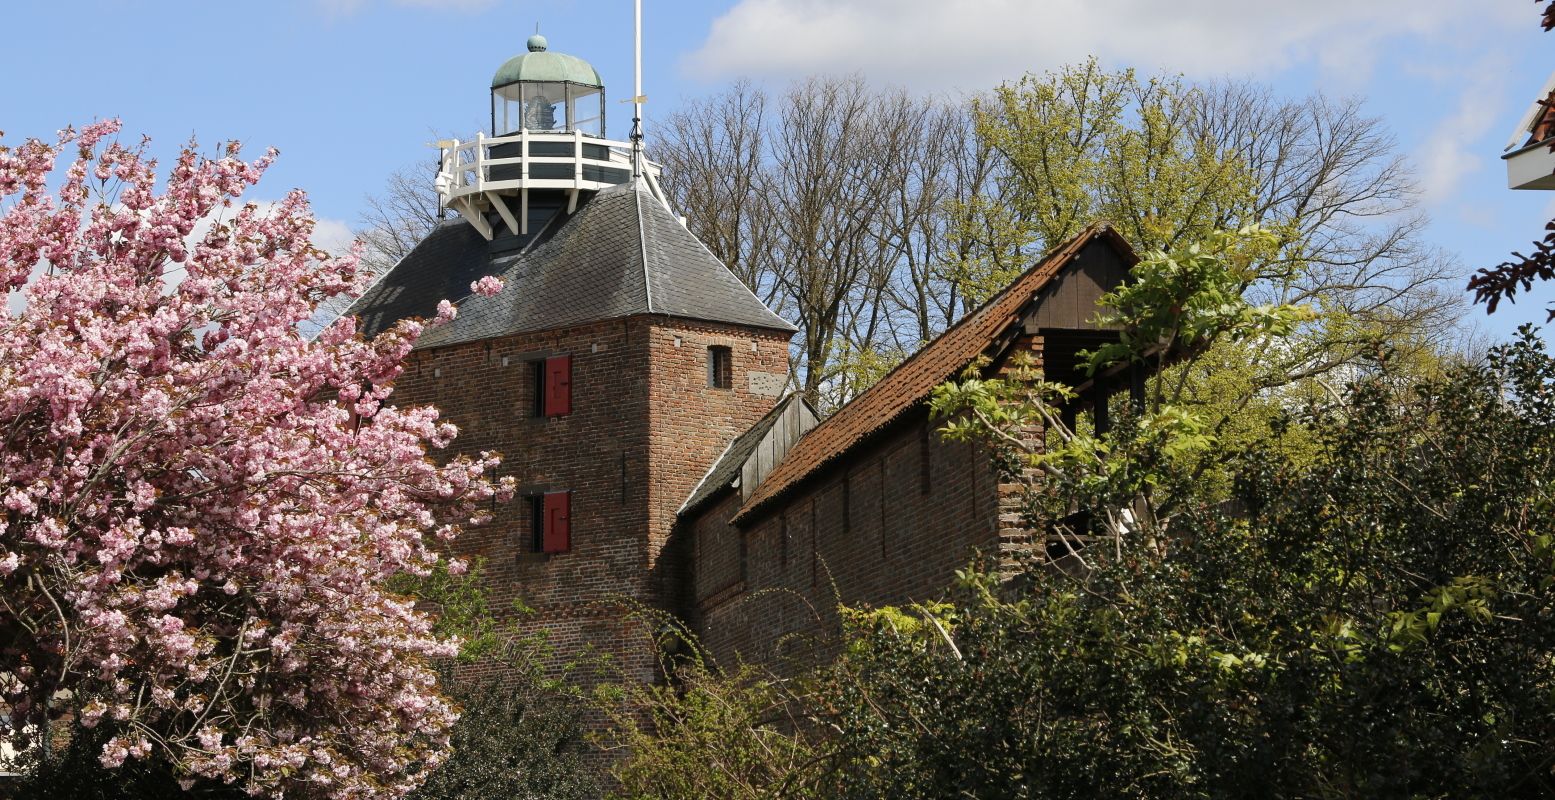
[767, 384]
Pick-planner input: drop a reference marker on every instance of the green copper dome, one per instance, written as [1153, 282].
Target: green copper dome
[540, 64]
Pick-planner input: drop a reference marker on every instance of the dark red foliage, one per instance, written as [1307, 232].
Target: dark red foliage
[1490, 286]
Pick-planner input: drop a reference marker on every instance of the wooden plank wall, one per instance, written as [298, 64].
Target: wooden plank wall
[1069, 301]
[795, 421]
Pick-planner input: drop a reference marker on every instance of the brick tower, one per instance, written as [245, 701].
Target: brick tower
[616, 364]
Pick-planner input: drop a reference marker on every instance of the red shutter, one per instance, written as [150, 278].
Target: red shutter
[558, 522]
[558, 386]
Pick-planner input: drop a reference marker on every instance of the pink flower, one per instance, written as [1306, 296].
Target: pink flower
[487, 286]
[207, 410]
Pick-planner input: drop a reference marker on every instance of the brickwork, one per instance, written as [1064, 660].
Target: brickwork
[599, 452]
[643, 428]
[888, 524]
[691, 423]
[1015, 539]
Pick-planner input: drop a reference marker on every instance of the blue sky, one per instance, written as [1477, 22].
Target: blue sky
[350, 90]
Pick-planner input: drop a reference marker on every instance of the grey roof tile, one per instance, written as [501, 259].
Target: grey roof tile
[621, 254]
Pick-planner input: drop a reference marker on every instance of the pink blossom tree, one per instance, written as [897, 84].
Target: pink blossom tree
[200, 505]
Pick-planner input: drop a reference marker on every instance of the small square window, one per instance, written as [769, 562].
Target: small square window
[537, 383]
[720, 367]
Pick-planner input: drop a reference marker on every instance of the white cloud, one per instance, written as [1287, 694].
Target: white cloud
[333, 236]
[974, 44]
[1453, 149]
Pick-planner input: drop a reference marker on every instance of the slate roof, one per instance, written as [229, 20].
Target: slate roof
[621, 254]
[728, 466]
[910, 383]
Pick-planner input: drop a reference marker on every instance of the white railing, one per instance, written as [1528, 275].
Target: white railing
[467, 167]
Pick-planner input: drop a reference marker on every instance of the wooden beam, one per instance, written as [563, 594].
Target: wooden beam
[502, 208]
[467, 210]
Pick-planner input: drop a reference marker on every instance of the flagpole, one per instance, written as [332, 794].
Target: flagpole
[637, 95]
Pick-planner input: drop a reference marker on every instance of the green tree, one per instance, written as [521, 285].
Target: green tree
[520, 732]
[1375, 621]
[519, 736]
[1082, 144]
[1366, 614]
[1169, 162]
[744, 735]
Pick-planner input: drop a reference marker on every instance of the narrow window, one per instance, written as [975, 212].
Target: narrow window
[815, 551]
[720, 367]
[925, 469]
[883, 483]
[537, 384]
[744, 557]
[558, 386]
[847, 504]
[783, 545]
[536, 508]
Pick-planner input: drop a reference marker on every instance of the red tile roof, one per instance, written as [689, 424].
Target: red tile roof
[911, 381]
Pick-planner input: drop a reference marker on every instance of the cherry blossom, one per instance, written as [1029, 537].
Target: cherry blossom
[202, 506]
[487, 286]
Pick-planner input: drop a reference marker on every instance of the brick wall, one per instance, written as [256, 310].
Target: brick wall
[643, 429]
[888, 524]
[691, 424]
[599, 452]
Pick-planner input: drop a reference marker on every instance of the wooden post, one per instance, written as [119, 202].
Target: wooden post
[523, 164]
[480, 159]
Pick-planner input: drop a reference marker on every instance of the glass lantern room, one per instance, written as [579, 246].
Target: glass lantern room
[544, 91]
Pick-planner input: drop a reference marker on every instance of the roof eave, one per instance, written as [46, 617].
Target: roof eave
[1053, 262]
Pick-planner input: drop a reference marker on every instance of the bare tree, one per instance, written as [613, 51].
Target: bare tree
[399, 217]
[713, 154]
[829, 201]
[394, 222]
[1329, 179]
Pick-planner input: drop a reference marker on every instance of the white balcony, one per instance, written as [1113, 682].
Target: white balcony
[1531, 167]
[479, 175]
